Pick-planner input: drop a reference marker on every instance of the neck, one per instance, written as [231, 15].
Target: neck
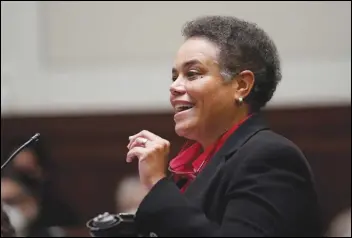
[212, 134]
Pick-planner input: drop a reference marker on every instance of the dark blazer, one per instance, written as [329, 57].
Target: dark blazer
[258, 184]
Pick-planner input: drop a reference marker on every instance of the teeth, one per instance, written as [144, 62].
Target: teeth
[182, 107]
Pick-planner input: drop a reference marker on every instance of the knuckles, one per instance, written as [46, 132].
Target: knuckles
[160, 145]
[143, 132]
[164, 145]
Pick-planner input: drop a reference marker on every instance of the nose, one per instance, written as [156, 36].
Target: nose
[177, 88]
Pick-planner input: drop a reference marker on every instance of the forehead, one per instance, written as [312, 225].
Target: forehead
[196, 49]
[26, 155]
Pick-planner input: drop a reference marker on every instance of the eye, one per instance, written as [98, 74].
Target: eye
[192, 74]
[174, 77]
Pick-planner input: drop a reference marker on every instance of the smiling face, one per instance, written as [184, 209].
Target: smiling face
[204, 103]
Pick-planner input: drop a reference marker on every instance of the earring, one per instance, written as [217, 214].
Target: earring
[239, 100]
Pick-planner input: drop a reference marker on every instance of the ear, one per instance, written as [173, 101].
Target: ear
[244, 84]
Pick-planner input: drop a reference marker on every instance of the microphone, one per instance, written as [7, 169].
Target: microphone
[34, 138]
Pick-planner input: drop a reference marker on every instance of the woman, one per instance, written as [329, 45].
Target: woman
[239, 178]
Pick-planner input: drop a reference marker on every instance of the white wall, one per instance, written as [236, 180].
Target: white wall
[61, 57]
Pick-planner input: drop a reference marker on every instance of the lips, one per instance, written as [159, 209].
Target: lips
[183, 107]
[183, 111]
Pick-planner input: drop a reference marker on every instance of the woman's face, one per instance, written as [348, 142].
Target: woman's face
[202, 100]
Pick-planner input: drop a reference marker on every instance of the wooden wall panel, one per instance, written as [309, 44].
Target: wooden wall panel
[88, 152]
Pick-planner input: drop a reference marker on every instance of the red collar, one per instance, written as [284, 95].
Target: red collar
[190, 161]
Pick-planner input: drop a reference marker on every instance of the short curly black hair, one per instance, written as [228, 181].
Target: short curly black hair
[243, 46]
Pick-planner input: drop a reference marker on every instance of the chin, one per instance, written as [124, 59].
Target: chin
[184, 130]
[180, 132]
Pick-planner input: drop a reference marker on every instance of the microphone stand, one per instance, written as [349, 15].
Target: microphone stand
[34, 138]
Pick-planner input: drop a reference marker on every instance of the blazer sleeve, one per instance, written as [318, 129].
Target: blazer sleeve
[264, 197]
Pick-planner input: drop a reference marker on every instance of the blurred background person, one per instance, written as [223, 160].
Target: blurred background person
[32, 168]
[341, 225]
[24, 210]
[129, 194]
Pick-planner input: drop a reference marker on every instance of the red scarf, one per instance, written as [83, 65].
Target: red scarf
[190, 161]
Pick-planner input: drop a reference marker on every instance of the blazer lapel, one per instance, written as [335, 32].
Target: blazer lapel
[249, 128]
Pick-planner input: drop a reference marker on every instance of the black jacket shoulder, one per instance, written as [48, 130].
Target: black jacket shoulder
[258, 184]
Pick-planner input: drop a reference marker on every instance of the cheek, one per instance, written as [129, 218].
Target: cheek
[216, 102]
[200, 90]
[193, 91]
[211, 97]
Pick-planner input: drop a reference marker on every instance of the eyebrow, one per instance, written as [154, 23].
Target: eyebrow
[187, 64]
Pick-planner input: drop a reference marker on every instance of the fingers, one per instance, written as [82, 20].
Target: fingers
[145, 139]
[149, 135]
[139, 141]
[145, 134]
[136, 153]
[141, 152]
